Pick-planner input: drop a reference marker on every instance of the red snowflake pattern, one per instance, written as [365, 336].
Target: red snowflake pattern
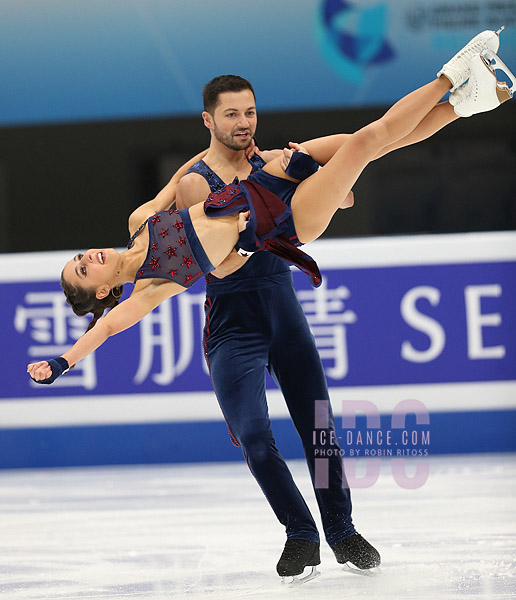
[171, 211]
[155, 219]
[172, 272]
[179, 225]
[181, 240]
[170, 252]
[188, 261]
[153, 247]
[154, 264]
[163, 232]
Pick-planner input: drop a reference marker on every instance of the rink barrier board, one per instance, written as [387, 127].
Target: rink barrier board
[200, 441]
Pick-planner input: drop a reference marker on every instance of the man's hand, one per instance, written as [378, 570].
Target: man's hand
[243, 217]
[348, 201]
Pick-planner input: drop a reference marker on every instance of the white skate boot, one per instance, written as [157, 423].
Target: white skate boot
[483, 91]
[457, 69]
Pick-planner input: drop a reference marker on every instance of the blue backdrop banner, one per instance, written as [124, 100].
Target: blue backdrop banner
[118, 59]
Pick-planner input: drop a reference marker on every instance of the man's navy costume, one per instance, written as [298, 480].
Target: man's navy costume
[254, 322]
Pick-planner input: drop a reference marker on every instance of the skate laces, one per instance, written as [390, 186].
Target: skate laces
[292, 548]
[458, 68]
[295, 550]
[460, 61]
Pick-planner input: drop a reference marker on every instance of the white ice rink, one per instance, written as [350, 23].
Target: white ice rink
[205, 531]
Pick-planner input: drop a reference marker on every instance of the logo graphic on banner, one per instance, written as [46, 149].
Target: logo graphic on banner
[353, 38]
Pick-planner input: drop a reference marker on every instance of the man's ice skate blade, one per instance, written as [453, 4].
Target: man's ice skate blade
[296, 580]
[457, 70]
[372, 572]
[482, 92]
[297, 555]
[358, 552]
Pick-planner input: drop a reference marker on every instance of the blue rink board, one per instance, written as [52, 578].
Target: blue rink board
[449, 433]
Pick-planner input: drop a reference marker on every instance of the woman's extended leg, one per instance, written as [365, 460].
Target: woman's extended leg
[318, 197]
[325, 147]
[440, 116]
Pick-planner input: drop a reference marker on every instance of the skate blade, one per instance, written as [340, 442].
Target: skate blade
[350, 568]
[494, 62]
[300, 579]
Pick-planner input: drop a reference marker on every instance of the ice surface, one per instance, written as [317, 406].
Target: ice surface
[206, 531]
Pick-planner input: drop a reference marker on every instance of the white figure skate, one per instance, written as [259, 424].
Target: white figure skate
[483, 91]
[457, 70]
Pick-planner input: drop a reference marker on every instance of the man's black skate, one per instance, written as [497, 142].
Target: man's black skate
[359, 552]
[297, 555]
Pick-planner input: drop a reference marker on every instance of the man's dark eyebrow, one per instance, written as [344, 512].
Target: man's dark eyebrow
[236, 109]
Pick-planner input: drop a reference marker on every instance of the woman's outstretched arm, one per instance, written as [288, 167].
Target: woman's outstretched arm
[125, 315]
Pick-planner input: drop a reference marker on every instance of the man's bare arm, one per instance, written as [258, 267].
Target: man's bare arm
[192, 189]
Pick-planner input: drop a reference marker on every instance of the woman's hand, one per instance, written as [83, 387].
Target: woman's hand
[39, 371]
[287, 153]
[48, 371]
[252, 149]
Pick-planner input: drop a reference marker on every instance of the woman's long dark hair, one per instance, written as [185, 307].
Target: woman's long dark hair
[84, 301]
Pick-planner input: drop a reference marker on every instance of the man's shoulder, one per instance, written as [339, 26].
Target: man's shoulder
[192, 189]
[192, 180]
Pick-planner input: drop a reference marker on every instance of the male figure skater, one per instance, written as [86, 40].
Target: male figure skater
[255, 322]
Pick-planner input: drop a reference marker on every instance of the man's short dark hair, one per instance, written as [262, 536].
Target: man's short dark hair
[221, 84]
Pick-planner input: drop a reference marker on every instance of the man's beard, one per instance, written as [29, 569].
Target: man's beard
[231, 142]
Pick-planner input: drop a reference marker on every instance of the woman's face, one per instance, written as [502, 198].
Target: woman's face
[94, 269]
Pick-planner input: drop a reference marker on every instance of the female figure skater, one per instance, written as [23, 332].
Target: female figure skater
[277, 208]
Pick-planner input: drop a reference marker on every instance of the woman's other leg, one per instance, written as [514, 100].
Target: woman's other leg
[440, 116]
